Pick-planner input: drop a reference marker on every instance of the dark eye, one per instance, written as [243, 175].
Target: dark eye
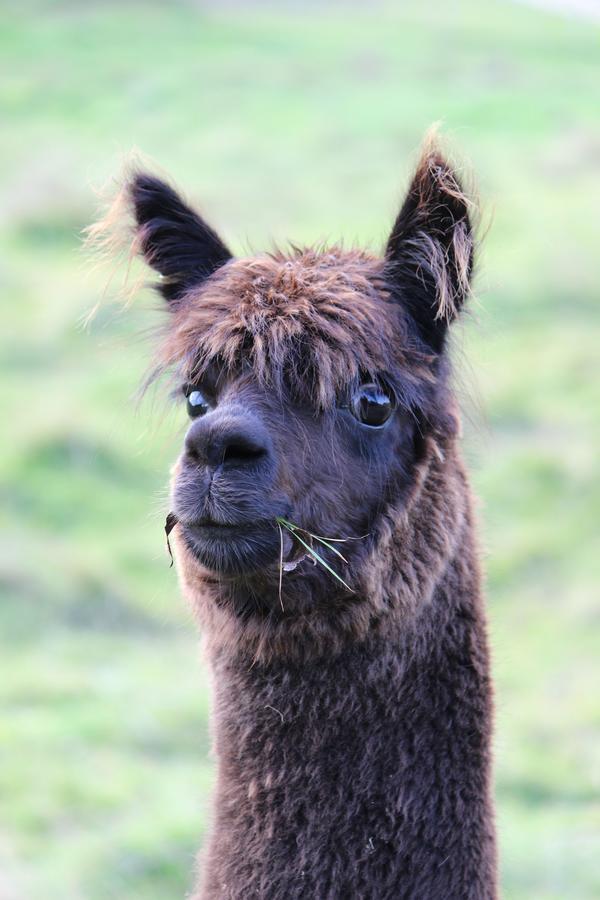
[372, 405]
[197, 404]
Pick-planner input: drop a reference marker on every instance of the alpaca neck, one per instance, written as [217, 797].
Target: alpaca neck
[363, 775]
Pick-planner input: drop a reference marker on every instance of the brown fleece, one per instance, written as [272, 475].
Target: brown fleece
[352, 727]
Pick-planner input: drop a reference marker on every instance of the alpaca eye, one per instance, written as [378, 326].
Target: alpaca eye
[371, 405]
[197, 404]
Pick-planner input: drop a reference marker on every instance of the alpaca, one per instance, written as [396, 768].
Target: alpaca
[352, 694]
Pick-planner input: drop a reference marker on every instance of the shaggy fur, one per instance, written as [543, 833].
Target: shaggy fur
[352, 725]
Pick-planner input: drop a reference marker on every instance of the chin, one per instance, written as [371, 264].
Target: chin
[234, 550]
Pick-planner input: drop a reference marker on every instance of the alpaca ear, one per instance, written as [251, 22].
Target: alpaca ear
[429, 252]
[174, 240]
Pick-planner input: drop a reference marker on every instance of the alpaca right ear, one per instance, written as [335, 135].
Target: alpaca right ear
[430, 250]
[174, 240]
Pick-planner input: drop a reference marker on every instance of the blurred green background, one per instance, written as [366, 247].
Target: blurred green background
[284, 121]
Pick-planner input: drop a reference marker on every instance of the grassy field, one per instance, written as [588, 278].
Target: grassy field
[282, 121]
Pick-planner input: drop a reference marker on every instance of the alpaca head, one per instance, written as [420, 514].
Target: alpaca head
[315, 383]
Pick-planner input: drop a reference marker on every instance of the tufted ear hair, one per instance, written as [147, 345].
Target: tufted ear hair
[429, 253]
[174, 240]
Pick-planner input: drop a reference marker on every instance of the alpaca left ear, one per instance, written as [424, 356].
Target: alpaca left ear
[174, 239]
[430, 250]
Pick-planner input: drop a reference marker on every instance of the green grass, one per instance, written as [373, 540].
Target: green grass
[281, 123]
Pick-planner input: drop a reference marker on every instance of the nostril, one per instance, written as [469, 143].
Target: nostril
[243, 451]
[224, 441]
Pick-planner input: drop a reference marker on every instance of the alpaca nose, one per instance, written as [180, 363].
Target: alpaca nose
[231, 443]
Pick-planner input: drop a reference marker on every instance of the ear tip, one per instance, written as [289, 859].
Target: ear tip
[434, 170]
[146, 181]
[439, 174]
[145, 186]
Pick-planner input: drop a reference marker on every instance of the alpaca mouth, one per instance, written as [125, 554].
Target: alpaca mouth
[238, 548]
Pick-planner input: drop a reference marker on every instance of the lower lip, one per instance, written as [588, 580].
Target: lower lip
[234, 549]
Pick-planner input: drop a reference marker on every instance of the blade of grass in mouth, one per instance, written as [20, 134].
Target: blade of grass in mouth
[170, 523]
[294, 529]
[280, 566]
[316, 537]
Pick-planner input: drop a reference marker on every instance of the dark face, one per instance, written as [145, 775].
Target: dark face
[250, 457]
[261, 474]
